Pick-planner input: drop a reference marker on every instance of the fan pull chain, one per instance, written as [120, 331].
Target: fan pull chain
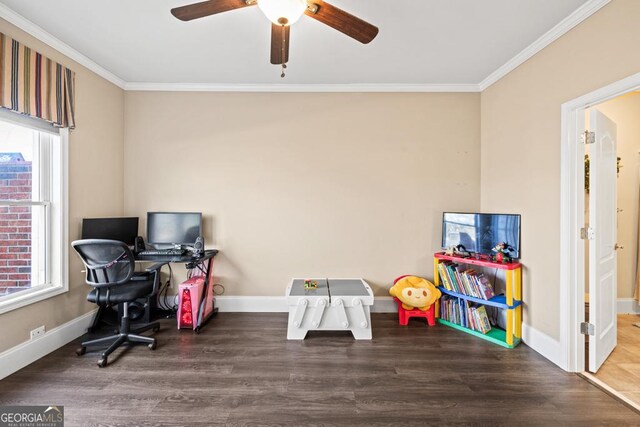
[282, 50]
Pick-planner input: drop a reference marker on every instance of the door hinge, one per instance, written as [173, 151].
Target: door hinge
[586, 233]
[588, 137]
[587, 328]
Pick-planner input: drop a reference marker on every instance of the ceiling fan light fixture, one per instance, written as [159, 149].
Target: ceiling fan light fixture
[283, 12]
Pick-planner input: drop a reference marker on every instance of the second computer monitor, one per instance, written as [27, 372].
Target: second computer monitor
[173, 228]
[122, 229]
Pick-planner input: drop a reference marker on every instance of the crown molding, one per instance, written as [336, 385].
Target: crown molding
[236, 87]
[39, 33]
[563, 27]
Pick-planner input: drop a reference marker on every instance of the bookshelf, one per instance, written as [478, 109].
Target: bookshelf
[511, 301]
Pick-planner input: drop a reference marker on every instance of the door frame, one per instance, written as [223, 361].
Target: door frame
[572, 201]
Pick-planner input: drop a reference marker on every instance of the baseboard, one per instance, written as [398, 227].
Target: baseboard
[256, 304]
[384, 305]
[628, 306]
[251, 304]
[542, 343]
[18, 357]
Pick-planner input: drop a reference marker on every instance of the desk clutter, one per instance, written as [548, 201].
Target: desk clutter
[168, 233]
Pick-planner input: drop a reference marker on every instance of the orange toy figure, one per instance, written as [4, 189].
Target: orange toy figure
[415, 292]
[310, 284]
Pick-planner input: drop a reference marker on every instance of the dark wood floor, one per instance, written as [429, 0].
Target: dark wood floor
[242, 371]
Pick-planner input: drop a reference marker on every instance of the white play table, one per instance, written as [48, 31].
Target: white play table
[336, 305]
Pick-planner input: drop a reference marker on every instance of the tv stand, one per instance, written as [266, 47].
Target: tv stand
[511, 301]
[477, 259]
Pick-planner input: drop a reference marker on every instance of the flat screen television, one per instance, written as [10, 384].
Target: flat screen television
[479, 233]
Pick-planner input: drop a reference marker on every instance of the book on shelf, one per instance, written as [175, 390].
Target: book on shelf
[484, 325]
[447, 278]
[485, 286]
[466, 314]
[443, 277]
[457, 278]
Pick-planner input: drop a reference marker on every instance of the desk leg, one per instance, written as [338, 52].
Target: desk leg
[208, 287]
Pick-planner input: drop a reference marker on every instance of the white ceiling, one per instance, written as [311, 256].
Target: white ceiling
[420, 41]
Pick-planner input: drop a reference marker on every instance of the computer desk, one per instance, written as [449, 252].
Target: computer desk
[203, 263]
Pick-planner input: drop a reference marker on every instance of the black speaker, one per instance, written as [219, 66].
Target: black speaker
[198, 246]
[139, 245]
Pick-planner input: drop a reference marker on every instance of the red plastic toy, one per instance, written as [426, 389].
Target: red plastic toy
[404, 315]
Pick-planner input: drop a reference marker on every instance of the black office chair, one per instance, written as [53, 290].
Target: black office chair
[110, 267]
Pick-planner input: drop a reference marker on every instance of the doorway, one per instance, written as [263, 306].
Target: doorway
[574, 272]
[618, 365]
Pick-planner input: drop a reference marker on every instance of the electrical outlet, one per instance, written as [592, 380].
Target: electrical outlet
[37, 332]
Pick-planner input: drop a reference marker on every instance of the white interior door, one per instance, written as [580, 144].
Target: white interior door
[602, 248]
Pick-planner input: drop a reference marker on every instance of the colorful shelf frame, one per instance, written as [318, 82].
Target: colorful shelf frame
[499, 301]
[511, 301]
[495, 335]
[478, 261]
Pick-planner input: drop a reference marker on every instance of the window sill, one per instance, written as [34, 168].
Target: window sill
[31, 297]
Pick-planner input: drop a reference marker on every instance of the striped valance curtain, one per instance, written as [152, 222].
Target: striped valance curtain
[35, 85]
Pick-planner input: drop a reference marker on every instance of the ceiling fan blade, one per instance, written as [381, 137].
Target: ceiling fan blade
[206, 8]
[279, 44]
[342, 21]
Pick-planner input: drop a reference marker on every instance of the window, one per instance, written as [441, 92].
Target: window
[33, 242]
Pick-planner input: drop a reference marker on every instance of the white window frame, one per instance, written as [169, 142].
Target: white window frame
[56, 211]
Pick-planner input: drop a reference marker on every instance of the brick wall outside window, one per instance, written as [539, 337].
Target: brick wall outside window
[15, 227]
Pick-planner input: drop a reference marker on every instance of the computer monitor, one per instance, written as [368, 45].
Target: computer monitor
[173, 228]
[122, 229]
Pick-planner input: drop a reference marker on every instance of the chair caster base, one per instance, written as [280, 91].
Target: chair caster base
[153, 345]
[80, 351]
[102, 362]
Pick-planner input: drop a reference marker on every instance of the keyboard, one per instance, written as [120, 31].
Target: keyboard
[163, 252]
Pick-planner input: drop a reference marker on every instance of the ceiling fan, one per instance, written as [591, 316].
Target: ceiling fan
[283, 13]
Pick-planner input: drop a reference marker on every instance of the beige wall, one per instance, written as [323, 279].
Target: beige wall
[306, 184]
[625, 112]
[520, 134]
[95, 187]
